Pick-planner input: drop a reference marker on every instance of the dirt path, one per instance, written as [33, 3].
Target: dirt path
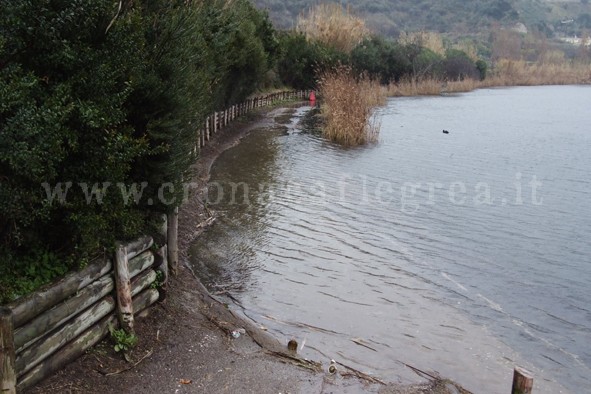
[186, 343]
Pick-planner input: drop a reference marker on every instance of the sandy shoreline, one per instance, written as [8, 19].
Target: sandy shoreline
[186, 343]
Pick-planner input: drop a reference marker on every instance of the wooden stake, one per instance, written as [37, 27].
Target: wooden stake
[523, 381]
[123, 286]
[7, 362]
[173, 246]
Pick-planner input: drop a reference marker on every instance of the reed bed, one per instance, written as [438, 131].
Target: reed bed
[506, 73]
[348, 104]
[521, 73]
[413, 87]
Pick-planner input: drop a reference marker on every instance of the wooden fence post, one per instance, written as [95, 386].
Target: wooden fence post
[207, 131]
[7, 355]
[123, 286]
[173, 246]
[523, 381]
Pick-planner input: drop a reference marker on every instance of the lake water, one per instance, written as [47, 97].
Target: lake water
[464, 253]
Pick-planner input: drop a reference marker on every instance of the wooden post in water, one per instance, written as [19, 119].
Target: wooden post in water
[173, 245]
[123, 286]
[7, 356]
[523, 381]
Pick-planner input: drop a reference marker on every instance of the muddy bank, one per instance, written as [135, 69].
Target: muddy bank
[186, 342]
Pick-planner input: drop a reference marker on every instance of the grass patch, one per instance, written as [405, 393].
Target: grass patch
[348, 103]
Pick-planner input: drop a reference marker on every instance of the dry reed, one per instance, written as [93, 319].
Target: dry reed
[506, 73]
[348, 104]
[521, 73]
[333, 25]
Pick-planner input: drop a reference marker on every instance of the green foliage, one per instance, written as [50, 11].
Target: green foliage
[425, 62]
[458, 66]
[32, 271]
[97, 100]
[159, 282]
[64, 84]
[482, 68]
[383, 59]
[123, 341]
[302, 60]
[390, 61]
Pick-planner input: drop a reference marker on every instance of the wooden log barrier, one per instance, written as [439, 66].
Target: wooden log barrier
[7, 353]
[140, 263]
[523, 381]
[91, 294]
[123, 286]
[78, 346]
[52, 342]
[138, 246]
[31, 306]
[142, 282]
[68, 353]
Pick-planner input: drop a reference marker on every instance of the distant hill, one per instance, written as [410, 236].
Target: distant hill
[455, 17]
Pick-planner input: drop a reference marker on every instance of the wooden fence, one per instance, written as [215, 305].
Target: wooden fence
[218, 120]
[52, 327]
[48, 329]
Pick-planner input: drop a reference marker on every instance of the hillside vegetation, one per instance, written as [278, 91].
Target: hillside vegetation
[459, 17]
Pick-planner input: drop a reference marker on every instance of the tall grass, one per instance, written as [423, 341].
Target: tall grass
[333, 25]
[348, 103]
[519, 72]
[430, 87]
[506, 73]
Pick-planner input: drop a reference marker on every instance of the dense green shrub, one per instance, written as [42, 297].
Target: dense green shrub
[64, 83]
[382, 59]
[302, 60]
[97, 100]
[458, 66]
